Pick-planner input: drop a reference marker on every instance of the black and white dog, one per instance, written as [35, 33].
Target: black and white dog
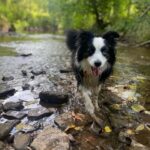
[92, 61]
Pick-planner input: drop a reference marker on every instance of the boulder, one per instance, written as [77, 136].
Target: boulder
[40, 112]
[13, 106]
[51, 139]
[14, 115]
[22, 141]
[53, 98]
[7, 78]
[6, 127]
[6, 91]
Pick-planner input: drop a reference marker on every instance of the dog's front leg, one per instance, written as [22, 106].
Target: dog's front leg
[89, 105]
[96, 97]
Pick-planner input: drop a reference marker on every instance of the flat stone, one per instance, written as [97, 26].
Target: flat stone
[13, 106]
[40, 112]
[38, 72]
[64, 120]
[14, 115]
[7, 78]
[1, 107]
[6, 91]
[51, 139]
[21, 141]
[53, 98]
[6, 127]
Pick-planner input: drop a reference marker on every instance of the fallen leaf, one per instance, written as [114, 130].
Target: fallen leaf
[77, 116]
[116, 106]
[140, 127]
[130, 132]
[137, 108]
[77, 128]
[107, 129]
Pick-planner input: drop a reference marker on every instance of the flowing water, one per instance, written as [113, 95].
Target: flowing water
[51, 54]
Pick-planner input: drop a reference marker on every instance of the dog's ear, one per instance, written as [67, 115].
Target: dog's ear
[84, 37]
[111, 37]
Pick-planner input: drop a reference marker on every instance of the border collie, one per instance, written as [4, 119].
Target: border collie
[92, 62]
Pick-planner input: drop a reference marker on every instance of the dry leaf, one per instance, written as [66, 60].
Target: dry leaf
[107, 129]
[140, 127]
[116, 106]
[77, 128]
[137, 107]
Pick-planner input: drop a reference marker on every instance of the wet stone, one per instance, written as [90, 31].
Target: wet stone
[40, 112]
[6, 127]
[52, 139]
[1, 107]
[53, 98]
[38, 72]
[24, 73]
[64, 120]
[14, 115]
[21, 141]
[13, 106]
[26, 86]
[6, 91]
[7, 78]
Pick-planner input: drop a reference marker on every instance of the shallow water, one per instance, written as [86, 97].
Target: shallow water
[50, 53]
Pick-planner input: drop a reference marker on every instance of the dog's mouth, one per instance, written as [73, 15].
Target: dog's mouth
[96, 71]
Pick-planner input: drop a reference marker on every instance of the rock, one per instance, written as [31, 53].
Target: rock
[6, 127]
[2, 145]
[64, 120]
[1, 108]
[65, 71]
[7, 78]
[25, 55]
[13, 106]
[53, 98]
[6, 91]
[14, 115]
[21, 141]
[32, 77]
[38, 72]
[38, 113]
[52, 139]
[26, 86]
[24, 73]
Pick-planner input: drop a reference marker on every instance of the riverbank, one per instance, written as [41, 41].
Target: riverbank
[124, 100]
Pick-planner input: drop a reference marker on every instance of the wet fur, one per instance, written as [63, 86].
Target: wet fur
[86, 50]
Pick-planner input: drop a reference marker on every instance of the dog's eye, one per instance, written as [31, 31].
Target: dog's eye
[91, 50]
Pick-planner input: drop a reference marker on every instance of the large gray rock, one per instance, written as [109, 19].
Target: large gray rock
[21, 141]
[6, 91]
[6, 127]
[40, 112]
[13, 106]
[53, 98]
[14, 115]
[51, 139]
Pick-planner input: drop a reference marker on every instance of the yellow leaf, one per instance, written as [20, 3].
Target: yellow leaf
[137, 107]
[107, 129]
[116, 106]
[74, 127]
[140, 127]
[130, 132]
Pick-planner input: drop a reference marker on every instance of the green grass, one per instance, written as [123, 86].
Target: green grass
[6, 51]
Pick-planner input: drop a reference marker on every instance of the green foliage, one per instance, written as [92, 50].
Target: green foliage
[130, 17]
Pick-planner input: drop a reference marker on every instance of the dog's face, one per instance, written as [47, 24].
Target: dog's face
[96, 53]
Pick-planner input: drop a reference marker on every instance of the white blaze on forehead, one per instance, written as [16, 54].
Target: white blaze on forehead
[98, 43]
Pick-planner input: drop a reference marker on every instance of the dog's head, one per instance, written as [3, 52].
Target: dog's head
[96, 53]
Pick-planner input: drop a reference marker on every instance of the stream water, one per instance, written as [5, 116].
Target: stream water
[50, 53]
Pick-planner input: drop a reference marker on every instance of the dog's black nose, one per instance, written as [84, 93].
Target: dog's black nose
[97, 63]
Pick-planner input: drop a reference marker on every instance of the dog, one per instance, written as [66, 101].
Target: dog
[93, 58]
